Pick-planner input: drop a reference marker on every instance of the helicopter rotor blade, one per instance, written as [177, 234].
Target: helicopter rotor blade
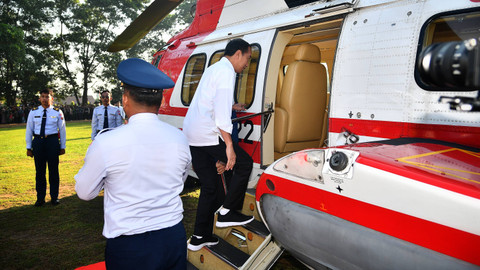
[153, 15]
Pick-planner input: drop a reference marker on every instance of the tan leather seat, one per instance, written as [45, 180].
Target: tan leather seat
[300, 108]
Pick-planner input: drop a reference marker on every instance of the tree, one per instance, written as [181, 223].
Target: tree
[62, 43]
[86, 29]
[178, 19]
[12, 53]
[23, 70]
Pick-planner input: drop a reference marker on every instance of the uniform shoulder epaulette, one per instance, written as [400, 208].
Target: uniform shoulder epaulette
[56, 108]
[34, 108]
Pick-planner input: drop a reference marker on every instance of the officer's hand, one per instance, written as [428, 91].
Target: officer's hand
[62, 152]
[220, 167]
[29, 152]
[231, 158]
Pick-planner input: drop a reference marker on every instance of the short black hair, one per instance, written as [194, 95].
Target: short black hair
[236, 44]
[46, 91]
[149, 97]
[104, 91]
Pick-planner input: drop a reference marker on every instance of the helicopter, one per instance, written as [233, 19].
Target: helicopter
[362, 119]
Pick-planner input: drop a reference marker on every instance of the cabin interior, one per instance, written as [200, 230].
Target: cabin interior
[305, 56]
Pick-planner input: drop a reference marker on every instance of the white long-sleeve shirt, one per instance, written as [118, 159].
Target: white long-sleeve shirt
[142, 167]
[55, 124]
[211, 107]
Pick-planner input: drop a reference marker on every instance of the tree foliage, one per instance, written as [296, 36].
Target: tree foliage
[86, 29]
[62, 44]
[23, 66]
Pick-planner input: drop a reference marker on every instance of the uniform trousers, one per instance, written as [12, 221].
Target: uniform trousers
[46, 151]
[161, 249]
[212, 193]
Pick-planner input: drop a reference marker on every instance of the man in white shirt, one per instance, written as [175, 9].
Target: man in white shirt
[46, 125]
[208, 128]
[106, 115]
[142, 167]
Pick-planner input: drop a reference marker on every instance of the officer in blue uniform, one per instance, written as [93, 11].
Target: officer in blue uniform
[142, 167]
[46, 126]
[106, 115]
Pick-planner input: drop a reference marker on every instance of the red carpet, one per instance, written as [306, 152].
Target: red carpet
[95, 266]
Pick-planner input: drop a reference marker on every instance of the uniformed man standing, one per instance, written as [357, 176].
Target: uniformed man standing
[106, 115]
[142, 167]
[46, 125]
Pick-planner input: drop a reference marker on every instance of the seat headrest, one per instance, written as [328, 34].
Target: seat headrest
[308, 52]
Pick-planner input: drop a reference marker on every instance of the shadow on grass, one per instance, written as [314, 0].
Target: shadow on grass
[52, 237]
[76, 139]
[69, 235]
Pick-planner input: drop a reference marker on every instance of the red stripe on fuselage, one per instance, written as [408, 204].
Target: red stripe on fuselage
[466, 135]
[434, 236]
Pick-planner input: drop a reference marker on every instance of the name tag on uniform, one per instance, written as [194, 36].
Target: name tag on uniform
[53, 116]
[37, 116]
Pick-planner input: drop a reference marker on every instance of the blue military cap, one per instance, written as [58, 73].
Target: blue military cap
[139, 73]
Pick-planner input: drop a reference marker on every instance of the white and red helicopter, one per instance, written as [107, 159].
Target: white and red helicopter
[362, 120]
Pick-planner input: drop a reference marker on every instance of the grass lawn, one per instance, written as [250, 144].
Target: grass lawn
[69, 235]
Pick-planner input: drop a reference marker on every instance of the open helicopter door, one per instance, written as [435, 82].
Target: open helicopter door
[298, 82]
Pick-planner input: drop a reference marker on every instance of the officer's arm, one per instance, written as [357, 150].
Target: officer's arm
[118, 118]
[89, 180]
[29, 134]
[94, 123]
[63, 132]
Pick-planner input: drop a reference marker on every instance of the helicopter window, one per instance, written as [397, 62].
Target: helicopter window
[193, 72]
[444, 27]
[216, 57]
[245, 84]
[451, 27]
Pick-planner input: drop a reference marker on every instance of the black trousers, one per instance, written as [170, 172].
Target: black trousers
[46, 151]
[212, 193]
[160, 249]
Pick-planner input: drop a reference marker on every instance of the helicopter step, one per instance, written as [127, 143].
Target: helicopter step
[249, 246]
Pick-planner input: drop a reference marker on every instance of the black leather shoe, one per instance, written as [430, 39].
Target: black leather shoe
[39, 203]
[55, 202]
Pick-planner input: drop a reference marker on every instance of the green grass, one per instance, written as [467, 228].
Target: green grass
[69, 235]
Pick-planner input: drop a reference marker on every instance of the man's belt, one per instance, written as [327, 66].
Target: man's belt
[46, 136]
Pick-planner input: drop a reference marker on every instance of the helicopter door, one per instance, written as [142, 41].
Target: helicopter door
[304, 58]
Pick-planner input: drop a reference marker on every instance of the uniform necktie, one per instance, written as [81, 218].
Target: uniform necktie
[105, 119]
[44, 121]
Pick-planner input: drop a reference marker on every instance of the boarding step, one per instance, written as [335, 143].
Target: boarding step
[250, 204]
[220, 256]
[246, 238]
[249, 246]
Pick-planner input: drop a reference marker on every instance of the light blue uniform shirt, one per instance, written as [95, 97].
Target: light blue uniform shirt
[55, 124]
[114, 118]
